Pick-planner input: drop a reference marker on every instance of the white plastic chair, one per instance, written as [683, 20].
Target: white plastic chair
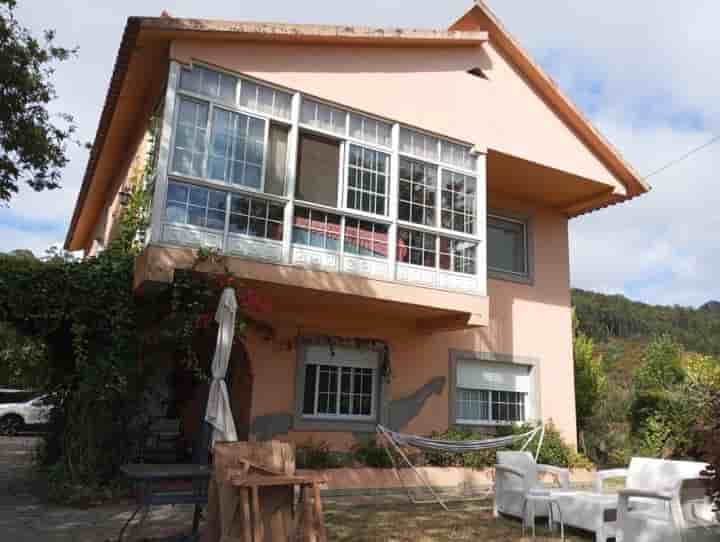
[663, 501]
[516, 473]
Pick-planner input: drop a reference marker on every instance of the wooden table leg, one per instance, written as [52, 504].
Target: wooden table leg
[244, 502]
[319, 517]
[309, 533]
[258, 527]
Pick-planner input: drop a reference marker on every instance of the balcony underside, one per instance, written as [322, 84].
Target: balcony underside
[306, 297]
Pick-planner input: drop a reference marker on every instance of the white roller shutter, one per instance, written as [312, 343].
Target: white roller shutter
[484, 375]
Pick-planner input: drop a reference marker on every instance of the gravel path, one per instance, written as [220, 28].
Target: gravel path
[25, 516]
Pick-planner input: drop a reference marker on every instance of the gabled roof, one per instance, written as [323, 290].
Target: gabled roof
[149, 38]
[145, 46]
[480, 17]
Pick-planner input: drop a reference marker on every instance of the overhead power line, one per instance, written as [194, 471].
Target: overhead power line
[684, 156]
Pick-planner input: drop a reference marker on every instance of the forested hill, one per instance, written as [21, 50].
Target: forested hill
[614, 316]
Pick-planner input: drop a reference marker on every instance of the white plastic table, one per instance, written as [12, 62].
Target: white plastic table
[540, 496]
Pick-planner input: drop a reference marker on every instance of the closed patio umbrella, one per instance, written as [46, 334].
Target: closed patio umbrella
[218, 413]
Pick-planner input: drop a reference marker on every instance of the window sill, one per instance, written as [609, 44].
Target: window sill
[488, 423]
[510, 277]
[362, 425]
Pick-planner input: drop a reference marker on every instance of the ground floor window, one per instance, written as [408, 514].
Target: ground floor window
[339, 383]
[476, 406]
[491, 393]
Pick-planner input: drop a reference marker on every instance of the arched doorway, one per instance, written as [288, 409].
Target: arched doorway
[240, 385]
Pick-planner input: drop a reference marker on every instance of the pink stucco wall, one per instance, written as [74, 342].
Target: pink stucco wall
[423, 87]
[525, 320]
[430, 88]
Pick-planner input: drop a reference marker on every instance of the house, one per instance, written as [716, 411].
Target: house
[401, 197]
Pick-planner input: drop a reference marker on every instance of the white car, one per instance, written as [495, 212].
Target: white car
[21, 409]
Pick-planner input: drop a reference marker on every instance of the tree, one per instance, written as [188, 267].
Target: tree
[590, 378]
[32, 147]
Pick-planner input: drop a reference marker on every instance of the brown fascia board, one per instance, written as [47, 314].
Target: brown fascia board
[167, 28]
[499, 36]
[307, 33]
[127, 44]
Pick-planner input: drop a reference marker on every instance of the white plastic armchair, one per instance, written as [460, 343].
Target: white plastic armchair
[516, 473]
[602, 475]
[665, 501]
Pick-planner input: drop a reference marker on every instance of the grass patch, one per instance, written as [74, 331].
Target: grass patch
[406, 522]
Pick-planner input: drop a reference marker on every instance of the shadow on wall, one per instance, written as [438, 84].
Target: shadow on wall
[402, 411]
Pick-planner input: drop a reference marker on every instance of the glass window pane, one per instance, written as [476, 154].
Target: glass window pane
[198, 196]
[238, 223]
[176, 212]
[196, 215]
[190, 79]
[190, 146]
[216, 199]
[216, 219]
[322, 116]
[417, 192]
[319, 164]
[277, 160]
[309, 389]
[237, 146]
[458, 202]
[367, 183]
[177, 192]
[507, 249]
[371, 130]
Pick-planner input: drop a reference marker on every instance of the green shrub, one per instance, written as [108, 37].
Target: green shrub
[317, 455]
[554, 451]
[372, 454]
[590, 378]
[473, 460]
[657, 381]
[653, 439]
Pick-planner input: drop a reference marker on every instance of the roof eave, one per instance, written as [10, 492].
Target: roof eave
[499, 35]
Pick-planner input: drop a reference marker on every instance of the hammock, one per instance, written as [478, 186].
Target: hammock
[396, 440]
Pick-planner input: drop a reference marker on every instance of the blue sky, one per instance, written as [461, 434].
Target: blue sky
[643, 71]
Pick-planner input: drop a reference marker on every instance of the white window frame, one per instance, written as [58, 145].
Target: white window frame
[475, 282]
[490, 420]
[318, 360]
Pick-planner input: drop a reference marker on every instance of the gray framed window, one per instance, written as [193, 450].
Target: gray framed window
[417, 248]
[417, 192]
[478, 406]
[493, 389]
[316, 229]
[508, 250]
[338, 384]
[190, 137]
[331, 390]
[195, 205]
[237, 149]
[256, 217]
[458, 202]
[368, 172]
